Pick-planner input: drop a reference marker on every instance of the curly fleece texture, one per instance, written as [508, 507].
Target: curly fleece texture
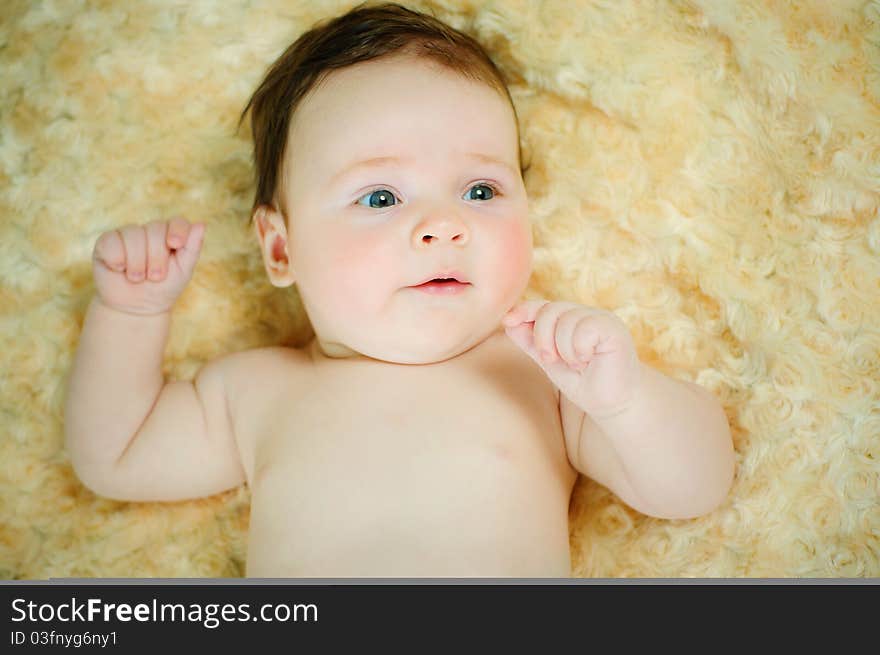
[707, 169]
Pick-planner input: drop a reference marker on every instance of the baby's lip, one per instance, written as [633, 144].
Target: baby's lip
[456, 275]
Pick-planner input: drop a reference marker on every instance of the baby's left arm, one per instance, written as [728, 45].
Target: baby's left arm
[671, 450]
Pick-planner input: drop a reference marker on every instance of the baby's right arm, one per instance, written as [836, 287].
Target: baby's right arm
[130, 435]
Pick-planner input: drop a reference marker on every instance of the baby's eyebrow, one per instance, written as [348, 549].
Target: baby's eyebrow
[377, 162]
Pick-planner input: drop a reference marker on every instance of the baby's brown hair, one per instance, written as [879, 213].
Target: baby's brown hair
[368, 31]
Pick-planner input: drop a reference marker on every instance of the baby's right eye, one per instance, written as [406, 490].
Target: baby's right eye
[377, 197]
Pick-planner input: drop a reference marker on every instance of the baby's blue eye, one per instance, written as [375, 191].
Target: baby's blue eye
[379, 199]
[484, 189]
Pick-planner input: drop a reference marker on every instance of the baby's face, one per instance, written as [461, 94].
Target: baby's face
[361, 235]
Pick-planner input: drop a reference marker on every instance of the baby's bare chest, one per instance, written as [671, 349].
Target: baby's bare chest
[378, 453]
[363, 419]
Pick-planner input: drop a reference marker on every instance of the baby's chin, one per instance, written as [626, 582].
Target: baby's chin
[423, 348]
[434, 356]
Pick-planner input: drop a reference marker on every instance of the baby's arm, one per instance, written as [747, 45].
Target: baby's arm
[669, 454]
[130, 435]
[663, 445]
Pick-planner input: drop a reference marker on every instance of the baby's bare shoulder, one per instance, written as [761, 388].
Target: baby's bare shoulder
[266, 356]
[260, 365]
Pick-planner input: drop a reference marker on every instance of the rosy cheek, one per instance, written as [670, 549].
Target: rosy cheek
[360, 265]
[514, 255]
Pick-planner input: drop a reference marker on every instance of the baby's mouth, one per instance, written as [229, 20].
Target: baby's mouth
[444, 276]
[442, 286]
[441, 280]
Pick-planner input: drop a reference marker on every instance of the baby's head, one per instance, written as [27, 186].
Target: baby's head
[387, 153]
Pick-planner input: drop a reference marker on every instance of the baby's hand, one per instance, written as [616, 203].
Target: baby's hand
[588, 352]
[142, 269]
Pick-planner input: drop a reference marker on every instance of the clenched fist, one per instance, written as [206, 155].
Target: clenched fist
[143, 269]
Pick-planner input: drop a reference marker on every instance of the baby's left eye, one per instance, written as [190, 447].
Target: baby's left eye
[483, 187]
[380, 196]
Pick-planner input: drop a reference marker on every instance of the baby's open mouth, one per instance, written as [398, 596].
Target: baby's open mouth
[442, 286]
[443, 280]
[444, 276]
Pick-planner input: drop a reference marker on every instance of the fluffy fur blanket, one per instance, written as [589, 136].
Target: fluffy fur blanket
[708, 169]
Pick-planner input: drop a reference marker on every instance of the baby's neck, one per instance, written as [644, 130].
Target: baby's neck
[319, 349]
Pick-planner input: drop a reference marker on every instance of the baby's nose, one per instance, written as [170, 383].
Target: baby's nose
[436, 231]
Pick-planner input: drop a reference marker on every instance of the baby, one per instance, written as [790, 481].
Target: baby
[435, 425]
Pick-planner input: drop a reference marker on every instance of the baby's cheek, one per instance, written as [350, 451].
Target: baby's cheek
[514, 256]
[362, 267]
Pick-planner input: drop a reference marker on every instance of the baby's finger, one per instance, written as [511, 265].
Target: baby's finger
[523, 312]
[188, 254]
[110, 251]
[178, 231]
[134, 240]
[545, 329]
[521, 335]
[157, 250]
[588, 333]
[566, 326]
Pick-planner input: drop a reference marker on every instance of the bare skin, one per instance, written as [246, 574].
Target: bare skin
[362, 468]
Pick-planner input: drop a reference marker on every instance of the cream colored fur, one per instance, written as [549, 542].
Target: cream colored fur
[709, 170]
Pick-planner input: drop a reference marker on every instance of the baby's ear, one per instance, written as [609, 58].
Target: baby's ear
[271, 232]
